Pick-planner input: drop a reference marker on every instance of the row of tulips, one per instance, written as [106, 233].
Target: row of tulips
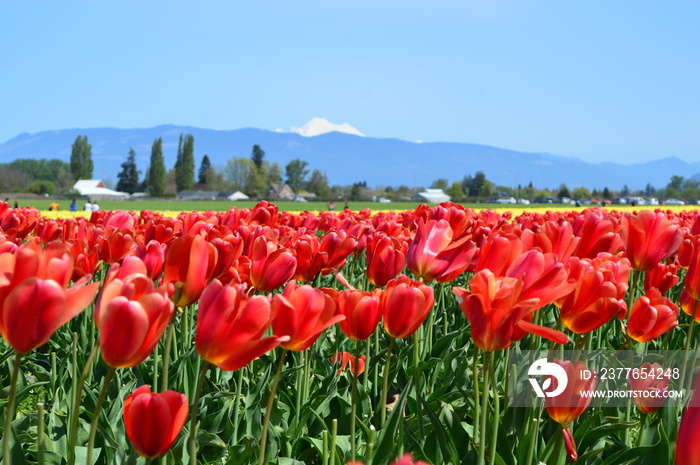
[235, 277]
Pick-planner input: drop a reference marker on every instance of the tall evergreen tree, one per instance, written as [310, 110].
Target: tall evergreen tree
[296, 172]
[203, 170]
[81, 166]
[129, 175]
[157, 176]
[257, 155]
[184, 167]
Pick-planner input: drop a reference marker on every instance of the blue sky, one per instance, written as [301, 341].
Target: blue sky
[598, 80]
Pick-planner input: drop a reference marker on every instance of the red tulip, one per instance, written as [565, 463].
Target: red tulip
[386, 258]
[433, 255]
[649, 238]
[186, 265]
[692, 277]
[570, 404]
[153, 420]
[496, 313]
[271, 265]
[543, 277]
[499, 252]
[131, 314]
[115, 244]
[599, 295]
[153, 256]
[302, 313]
[598, 233]
[554, 238]
[405, 304]
[652, 315]
[687, 444]
[231, 326]
[662, 277]
[649, 379]
[346, 357]
[34, 300]
[362, 312]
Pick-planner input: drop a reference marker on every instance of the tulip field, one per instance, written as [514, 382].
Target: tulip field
[254, 336]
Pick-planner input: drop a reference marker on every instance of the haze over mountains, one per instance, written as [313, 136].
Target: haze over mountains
[348, 156]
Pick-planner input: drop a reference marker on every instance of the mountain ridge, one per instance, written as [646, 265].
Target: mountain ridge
[348, 158]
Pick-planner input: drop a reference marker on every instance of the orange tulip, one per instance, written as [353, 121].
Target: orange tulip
[131, 314]
[497, 314]
[186, 266]
[405, 304]
[153, 421]
[649, 238]
[652, 315]
[231, 326]
[362, 312]
[599, 296]
[647, 381]
[692, 277]
[687, 444]
[434, 255]
[346, 357]
[302, 313]
[34, 300]
[570, 404]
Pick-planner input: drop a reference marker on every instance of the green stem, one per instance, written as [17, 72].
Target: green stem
[75, 413]
[385, 383]
[324, 457]
[497, 410]
[96, 415]
[687, 345]
[192, 440]
[418, 385]
[475, 380]
[268, 411]
[166, 356]
[484, 410]
[156, 358]
[370, 446]
[353, 408]
[40, 433]
[533, 433]
[10, 412]
[334, 437]
[236, 404]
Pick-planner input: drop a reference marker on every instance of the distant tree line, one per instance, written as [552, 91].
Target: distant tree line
[254, 175]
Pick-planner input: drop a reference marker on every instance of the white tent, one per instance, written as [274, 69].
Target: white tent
[94, 189]
[238, 195]
[432, 196]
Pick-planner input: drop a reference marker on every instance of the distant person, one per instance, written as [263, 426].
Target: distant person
[331, 206]
[53, 207]
[88, 206]
[346, 207]
[16, 204]
[73, 206]
[95, 207]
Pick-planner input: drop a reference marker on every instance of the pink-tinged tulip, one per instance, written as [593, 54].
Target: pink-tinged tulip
[153, 421]
[496, 313]
[434, 255]
[650, 384]
[405, 304]
[228, 249]
[153, 256]
[302, 313]
[662, 277]
[386, 258]
[362, 312]
[599, 296]
[34, 300]
[687, 444]
[652, 315]
[552, 237]
[271, 265]
[570, 445]
[649, 238]
[570, 404]
[346, 357]
[231, 326]
[131, 314]
[186, 265]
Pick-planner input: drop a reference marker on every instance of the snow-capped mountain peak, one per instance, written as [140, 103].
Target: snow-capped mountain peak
[318, 126]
